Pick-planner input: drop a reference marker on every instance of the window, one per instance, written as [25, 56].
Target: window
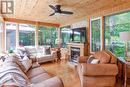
[10, 36]
[95, 35]
[115, 24]
[65, 35]
[26, 35]
[47, 36]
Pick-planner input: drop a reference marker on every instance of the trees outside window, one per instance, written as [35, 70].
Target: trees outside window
[47, 36]
[65, 35]
[26, 35]
[95, 34]
[114, 24]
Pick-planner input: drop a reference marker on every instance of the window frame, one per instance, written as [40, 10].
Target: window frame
[93, 19]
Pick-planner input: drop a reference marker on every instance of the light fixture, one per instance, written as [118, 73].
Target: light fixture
[125, 36]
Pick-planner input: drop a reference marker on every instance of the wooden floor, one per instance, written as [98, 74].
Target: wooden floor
[68, 73]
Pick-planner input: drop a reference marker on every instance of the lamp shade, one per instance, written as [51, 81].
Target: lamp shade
[125, 36]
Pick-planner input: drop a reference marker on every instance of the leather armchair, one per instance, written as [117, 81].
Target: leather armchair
[98, 75]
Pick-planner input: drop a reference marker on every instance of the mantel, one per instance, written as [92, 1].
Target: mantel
[76, 44]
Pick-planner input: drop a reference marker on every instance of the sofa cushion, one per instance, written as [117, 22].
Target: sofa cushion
[39, 78]
[44, 58]
[34, 72]
[103, 57]
[40, 49]
[31, 50]
[52, 82]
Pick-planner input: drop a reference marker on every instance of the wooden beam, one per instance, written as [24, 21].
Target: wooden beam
[3, 38]
[31, 22]
[88, 35]
[36, 35]
[17, 35]
[103, 29]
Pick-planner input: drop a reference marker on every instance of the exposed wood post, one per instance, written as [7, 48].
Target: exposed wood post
[36, 35]
[59, 37]
[88, 35]
[17, 35]
[3, 38]
[103, 31]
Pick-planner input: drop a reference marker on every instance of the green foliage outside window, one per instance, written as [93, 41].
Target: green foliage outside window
[65, 35]
[47, 36]
[115, 24]
[95, 35]
[26, 35]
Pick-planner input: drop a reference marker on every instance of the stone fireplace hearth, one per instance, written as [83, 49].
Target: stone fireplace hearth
[75, 50]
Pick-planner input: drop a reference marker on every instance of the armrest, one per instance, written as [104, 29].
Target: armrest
[33, 58]
[54, 54]
[99, 69]
[82, 59]
[52, 82]
[35, 65]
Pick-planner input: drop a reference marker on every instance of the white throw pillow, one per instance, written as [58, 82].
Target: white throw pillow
[95, 61]
[27, 63]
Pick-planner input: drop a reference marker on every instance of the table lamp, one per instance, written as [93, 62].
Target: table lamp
[125, 36]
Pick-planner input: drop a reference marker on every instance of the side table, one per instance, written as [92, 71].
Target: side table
[124, 69]
[58, 54]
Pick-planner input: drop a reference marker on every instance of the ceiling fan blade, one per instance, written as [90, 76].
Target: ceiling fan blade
[66, 12]
[52, 14]
[51, 6]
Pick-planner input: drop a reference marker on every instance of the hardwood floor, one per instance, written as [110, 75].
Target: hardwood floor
[68, 74]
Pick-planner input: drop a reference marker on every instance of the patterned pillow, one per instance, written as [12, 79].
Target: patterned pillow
[21, 52]
[92, 60]
[46, 50]
[27, 63]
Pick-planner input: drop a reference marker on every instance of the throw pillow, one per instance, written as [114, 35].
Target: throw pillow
[92, 60]
[27, 63]
[91, 57]
[21, 52]
[95, 61]
[47, 50]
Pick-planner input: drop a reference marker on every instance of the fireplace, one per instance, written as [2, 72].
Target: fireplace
[75, 53]
[75, 50]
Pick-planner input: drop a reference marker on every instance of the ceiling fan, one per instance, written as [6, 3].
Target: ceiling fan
[57, 9]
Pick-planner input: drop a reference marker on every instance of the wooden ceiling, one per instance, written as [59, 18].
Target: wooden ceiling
[38, 10]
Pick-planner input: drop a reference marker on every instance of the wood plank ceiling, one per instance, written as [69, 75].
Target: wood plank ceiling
[38, 10]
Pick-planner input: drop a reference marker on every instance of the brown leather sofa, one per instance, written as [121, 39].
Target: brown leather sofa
[38, 77]
[98, 75]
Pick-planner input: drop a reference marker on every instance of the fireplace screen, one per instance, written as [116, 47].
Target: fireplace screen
[75, 53]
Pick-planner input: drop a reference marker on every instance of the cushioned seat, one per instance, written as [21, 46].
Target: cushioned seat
[39, 78]
[48, 83]
[44, 58]
[35, 71]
